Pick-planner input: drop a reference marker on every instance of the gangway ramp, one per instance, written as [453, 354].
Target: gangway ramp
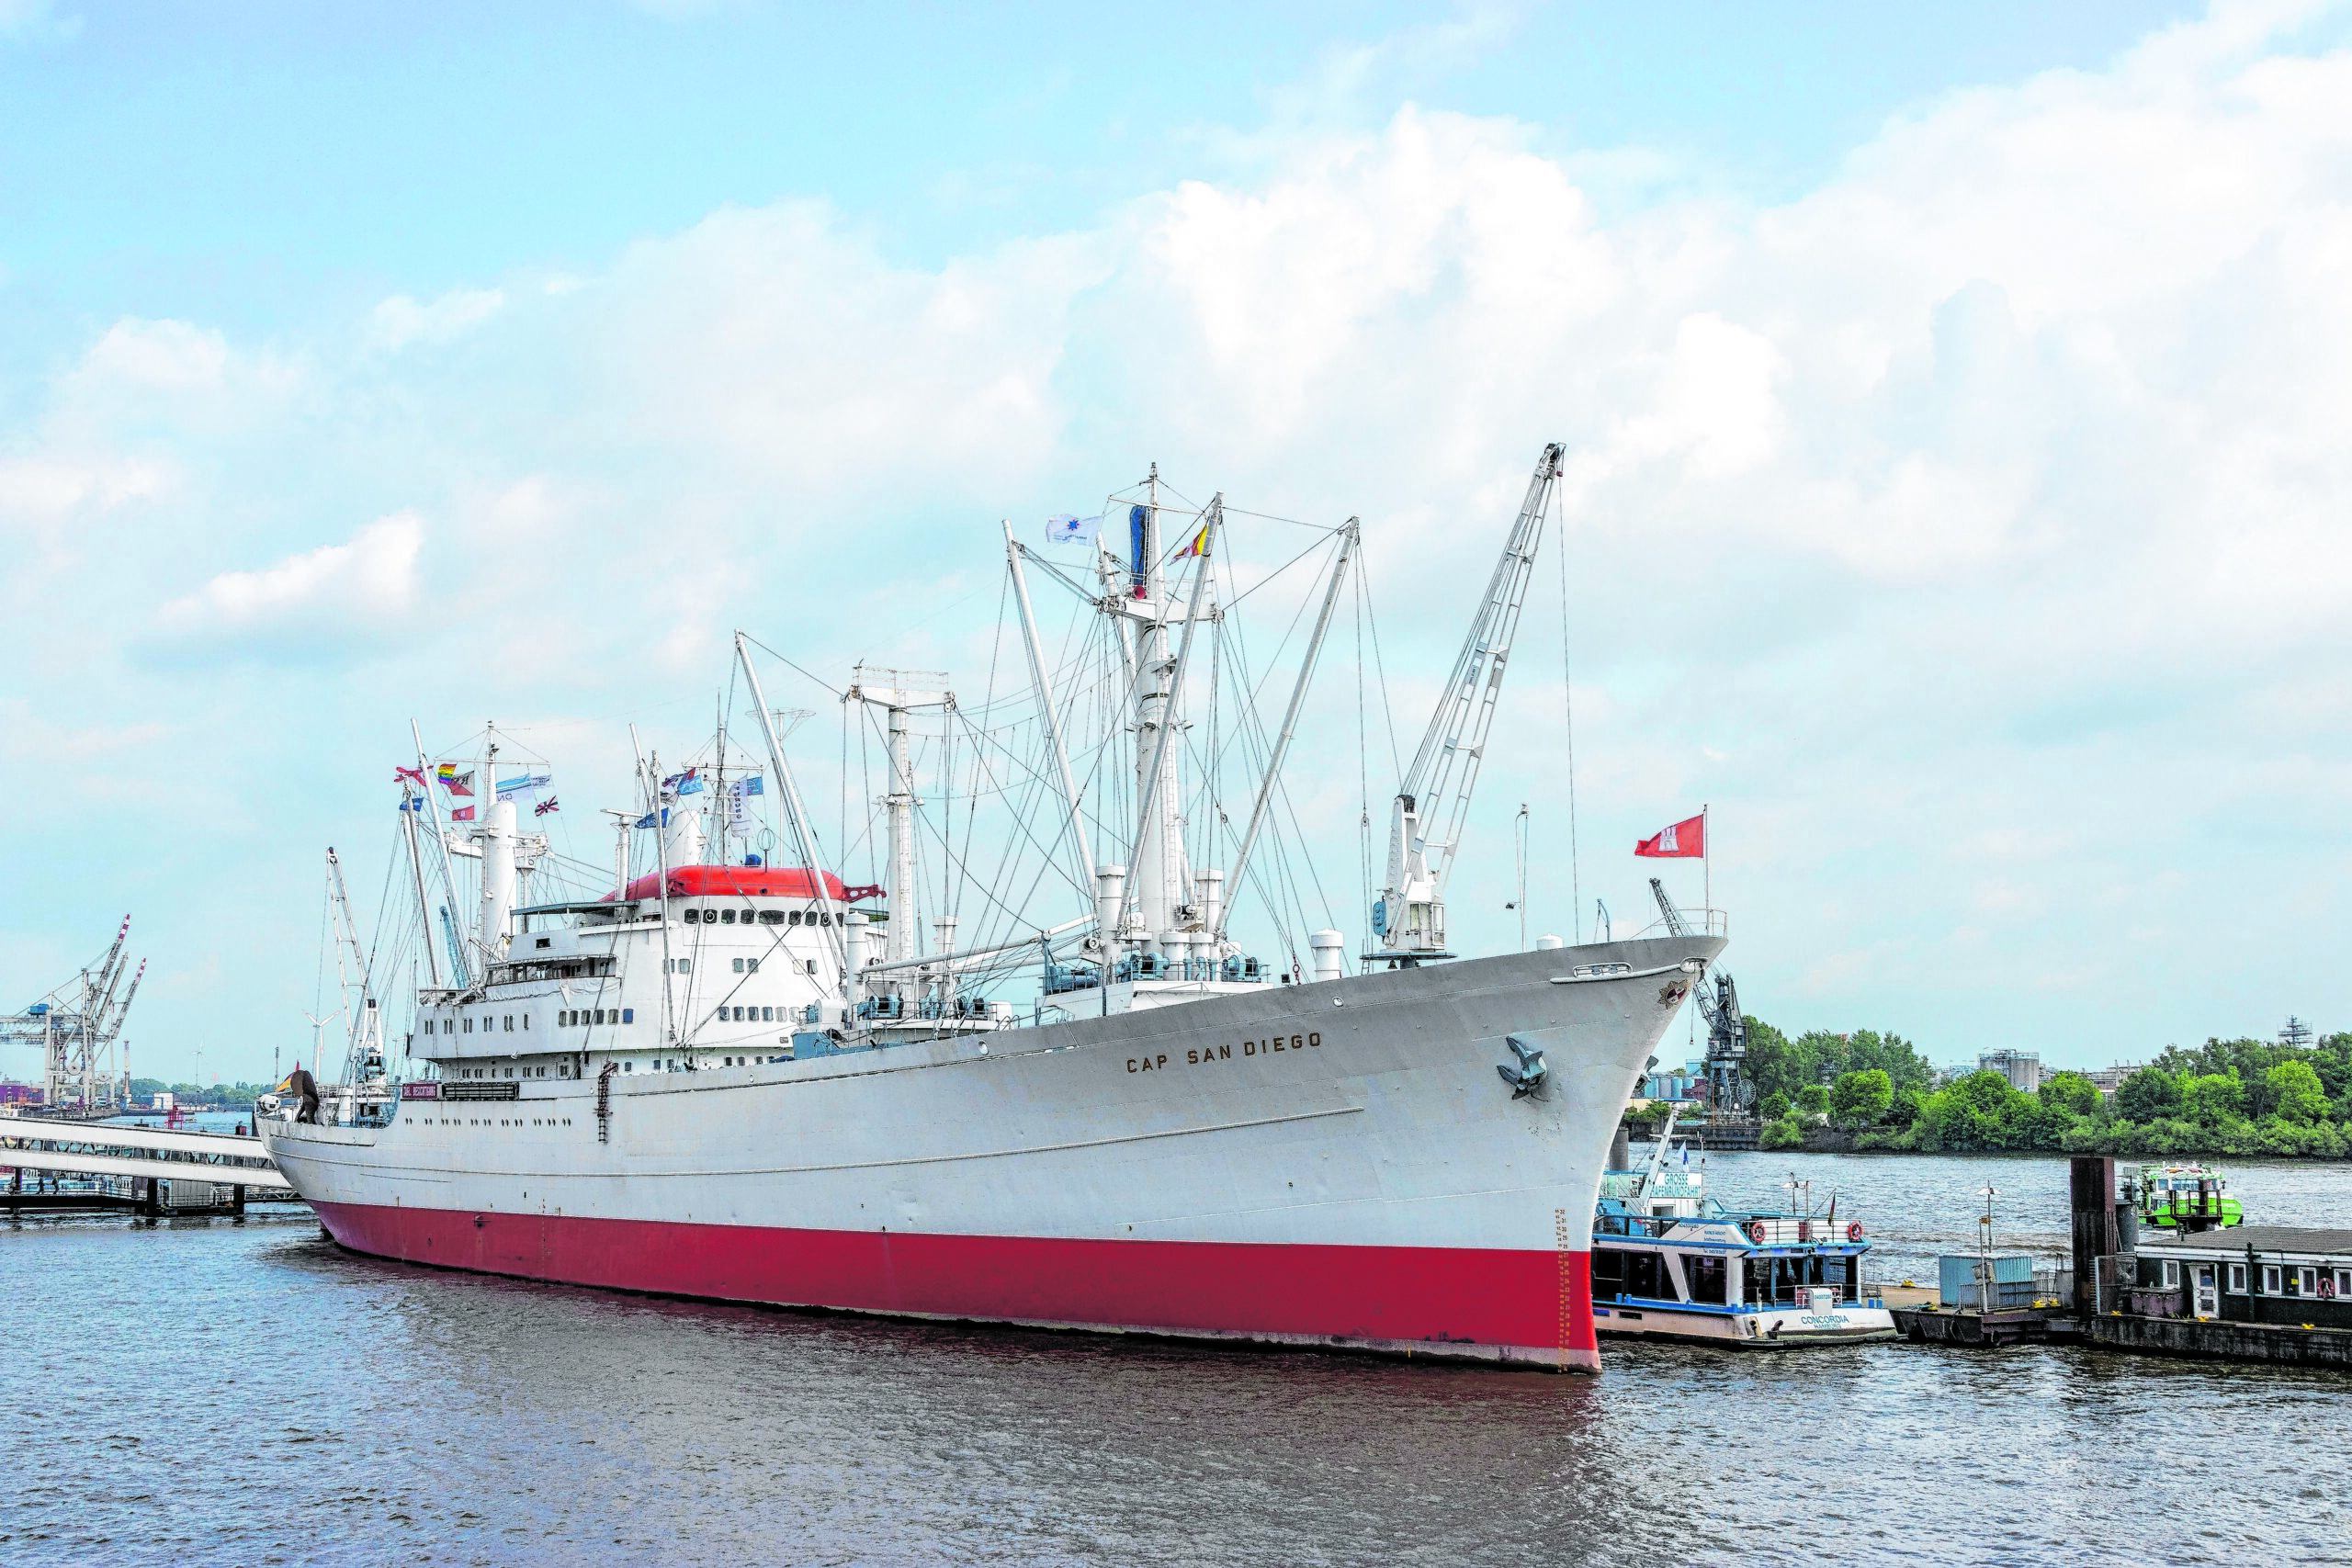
[100, 1149]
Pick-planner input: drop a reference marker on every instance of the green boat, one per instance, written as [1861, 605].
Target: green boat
[2184, 1197]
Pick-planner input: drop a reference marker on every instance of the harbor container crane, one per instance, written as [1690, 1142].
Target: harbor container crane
[77, 1027]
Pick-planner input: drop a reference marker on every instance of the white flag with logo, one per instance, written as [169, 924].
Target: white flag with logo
[1066, 529]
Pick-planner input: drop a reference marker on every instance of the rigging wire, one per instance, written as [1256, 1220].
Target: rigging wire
[1568, 715]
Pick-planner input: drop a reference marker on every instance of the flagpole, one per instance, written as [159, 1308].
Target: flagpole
[1706, 863]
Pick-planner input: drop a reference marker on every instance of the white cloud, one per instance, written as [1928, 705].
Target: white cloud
[1960, 528]
[319, 599]
[45, 489]
[400, 321]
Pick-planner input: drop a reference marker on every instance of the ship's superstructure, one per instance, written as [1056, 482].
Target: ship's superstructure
[1046, 1086]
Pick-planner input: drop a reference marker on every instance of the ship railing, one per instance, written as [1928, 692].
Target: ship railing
[1698, 922]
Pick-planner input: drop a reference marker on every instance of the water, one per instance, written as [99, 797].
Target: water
[206, 1392]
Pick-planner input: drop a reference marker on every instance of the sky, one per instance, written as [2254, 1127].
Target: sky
[1954, 402]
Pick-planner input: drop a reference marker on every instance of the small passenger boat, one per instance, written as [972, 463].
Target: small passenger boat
[1669, 1261]
[2183, 1198]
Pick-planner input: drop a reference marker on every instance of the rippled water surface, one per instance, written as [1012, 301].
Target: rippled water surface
[205, 1391]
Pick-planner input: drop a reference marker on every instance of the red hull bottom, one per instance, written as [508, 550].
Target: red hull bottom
[1522, 1308]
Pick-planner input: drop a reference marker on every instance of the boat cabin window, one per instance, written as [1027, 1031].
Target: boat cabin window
[1617, 1275]
[2271, 1279]
[1707, 1278]
[2343, 1283]
[628, 1015]
[469, 1023]
[2237, 1278]
[725, 917]
[2172, 1274]
[2309, 1282]
[796, 917]
[771, 917]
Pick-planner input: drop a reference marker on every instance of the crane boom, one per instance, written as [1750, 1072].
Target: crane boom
[1433, 803]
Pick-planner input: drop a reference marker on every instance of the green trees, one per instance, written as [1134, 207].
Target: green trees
[2225, 1097]
[2071, 1092]
[1778, 1064]
[1859, 1099]
[2295, 1093]
[2147, 1094]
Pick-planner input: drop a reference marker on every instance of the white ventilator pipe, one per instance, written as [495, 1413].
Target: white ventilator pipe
[853, 939]
[1327, 947]
[1110, 897]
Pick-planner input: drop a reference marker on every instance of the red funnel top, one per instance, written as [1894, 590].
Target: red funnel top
[736, 882]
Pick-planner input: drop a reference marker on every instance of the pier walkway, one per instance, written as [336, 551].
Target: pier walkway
[192, 1162]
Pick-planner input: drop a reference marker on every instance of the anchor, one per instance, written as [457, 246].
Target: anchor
[1528, 1077]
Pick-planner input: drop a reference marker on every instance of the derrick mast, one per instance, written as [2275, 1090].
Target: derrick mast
[1433, 804]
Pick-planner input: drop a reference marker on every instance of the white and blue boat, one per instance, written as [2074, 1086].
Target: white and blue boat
[1669, 1261]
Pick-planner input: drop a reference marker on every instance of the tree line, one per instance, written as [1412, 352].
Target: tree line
[235, 1096]
[2225, 1097]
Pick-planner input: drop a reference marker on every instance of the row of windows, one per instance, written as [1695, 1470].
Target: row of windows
[486, 1121]
[2285, 1280]
[489, 1025]
[749, 1015]
[764, 917]
[585, 1018]
[562, 1070]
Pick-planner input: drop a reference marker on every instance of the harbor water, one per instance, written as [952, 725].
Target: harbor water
[214, 1391]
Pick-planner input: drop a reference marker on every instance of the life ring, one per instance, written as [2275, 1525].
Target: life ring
[1854, 1230]
[1756, 1232]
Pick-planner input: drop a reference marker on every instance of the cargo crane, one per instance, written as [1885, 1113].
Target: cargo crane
[1433, 802]
[363, 1018]
[1729, 1093]
[76, 1027]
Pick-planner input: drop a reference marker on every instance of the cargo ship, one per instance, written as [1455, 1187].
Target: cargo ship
[724, 1077]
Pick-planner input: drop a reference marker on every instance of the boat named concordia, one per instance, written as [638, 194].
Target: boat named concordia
[1671, 1262]
[704, 1074]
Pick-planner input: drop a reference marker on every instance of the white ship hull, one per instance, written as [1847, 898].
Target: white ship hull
[1334, 1164]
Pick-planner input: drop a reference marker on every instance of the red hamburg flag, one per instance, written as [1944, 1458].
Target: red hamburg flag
[1686, 839]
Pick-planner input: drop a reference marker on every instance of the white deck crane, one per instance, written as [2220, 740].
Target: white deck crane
[362, 1017]
[1433, 802]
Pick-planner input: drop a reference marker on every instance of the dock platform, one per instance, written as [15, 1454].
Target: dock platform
[1960, 1325]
